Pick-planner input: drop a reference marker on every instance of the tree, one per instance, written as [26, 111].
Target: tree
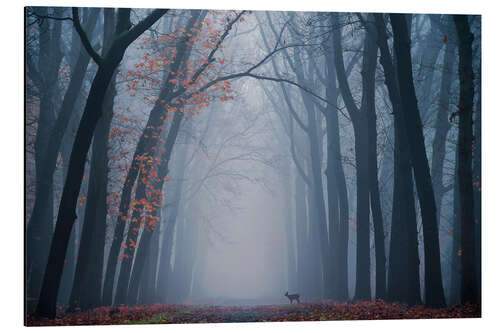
[464, 169]
[360, 124]
[169, 223]
[338, 205]
[375, 205]
[403, 273]
[442, 123]
[86, 291]
[434, 295]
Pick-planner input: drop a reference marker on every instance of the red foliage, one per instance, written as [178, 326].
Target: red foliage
[326, 310]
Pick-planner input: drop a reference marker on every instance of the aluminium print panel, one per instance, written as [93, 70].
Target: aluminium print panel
[208, 166]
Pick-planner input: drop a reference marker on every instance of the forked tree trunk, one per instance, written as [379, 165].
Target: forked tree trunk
[361, 146]
[455, 264]
[86, 293]
[403, 272]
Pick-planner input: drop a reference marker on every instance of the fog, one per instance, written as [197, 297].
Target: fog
[230, 270]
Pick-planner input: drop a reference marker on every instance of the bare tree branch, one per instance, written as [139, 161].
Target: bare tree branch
[83, 37]
[142, 26]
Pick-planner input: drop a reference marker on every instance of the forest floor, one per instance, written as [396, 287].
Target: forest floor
[326, 310]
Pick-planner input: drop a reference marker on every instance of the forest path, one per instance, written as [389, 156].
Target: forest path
[325, 310]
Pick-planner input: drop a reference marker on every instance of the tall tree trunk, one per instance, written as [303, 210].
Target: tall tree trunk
[434, 295]
[143, 255]
[362, 286]
[371, 118]
[442, 126]
[366, 179]
[190, 247]
[455, 264]
[179, 273]
[403, 272]
[318, 200]
[74, 243]
[404, 280]
[40, 226]
[333, 153]
[361, 145]
[164, 273]
[130, 241]
[465, 140]
[338, 210]
[319, 226]
[289, 242]
[86, 293]
[313, 250]
[342, 290]
[376, 209]
[300, 226]
[476, 174]
[143, 284]
[149, 276]
[69, 268]
[333, 206]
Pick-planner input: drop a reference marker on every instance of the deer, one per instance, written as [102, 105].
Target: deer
[292, 297]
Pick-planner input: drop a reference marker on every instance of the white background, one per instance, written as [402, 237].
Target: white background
[12, 166]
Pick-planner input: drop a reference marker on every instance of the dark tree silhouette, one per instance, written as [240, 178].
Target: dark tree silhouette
[403, 276]
[434, 295]
[465, 144]
[86, 292]
[360, 124]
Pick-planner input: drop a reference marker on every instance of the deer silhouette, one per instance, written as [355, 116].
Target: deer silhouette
[292, 297]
